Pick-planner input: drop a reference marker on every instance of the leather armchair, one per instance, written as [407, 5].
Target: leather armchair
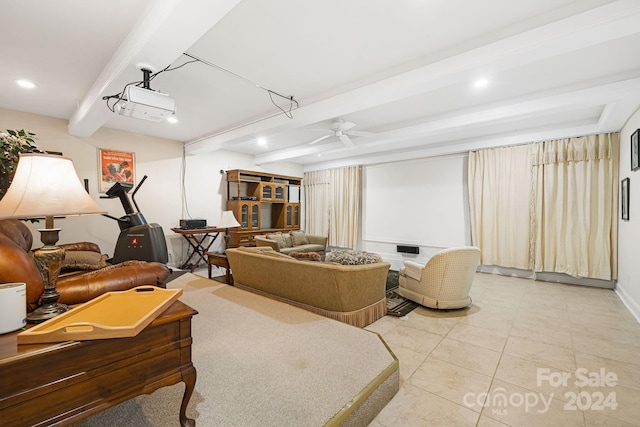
[444, 282]
[17, 265]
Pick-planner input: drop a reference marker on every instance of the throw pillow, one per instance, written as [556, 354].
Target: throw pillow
[288, 242]
[277, 237]
[298, 238]
[352, 257]
[309, 256]
[83, 260]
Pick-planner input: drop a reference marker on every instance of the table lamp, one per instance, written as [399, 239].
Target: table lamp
[227, 221]
[47, 186]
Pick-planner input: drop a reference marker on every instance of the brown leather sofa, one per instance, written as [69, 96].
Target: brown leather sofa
[17, 265]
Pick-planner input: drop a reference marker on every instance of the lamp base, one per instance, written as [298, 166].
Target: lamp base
[46, 312]
[226, 240]
[48, 259]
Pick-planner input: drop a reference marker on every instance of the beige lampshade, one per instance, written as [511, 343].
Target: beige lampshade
[46, 185]
[228, 220]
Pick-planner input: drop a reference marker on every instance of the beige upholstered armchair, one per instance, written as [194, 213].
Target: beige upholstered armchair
[445, 280]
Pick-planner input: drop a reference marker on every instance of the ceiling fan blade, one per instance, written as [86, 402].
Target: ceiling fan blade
[320, 139]
[361, 133]
[346, 140]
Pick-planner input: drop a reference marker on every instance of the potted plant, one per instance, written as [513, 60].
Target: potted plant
[12, 143]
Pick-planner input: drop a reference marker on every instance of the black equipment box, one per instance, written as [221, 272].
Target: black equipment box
[408, 249]
[193, 224]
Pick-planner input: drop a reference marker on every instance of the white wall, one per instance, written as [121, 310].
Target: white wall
[156, 157]
[628, 287]
[421, 202]
[161, 198]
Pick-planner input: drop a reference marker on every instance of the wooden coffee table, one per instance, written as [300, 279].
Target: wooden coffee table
[60, 383]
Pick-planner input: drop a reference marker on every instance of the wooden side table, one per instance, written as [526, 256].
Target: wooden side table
[220, 260]
[197, 239]
[61, 383]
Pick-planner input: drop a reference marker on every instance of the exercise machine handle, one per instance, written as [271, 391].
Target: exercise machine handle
[135, 190]
[124, 220]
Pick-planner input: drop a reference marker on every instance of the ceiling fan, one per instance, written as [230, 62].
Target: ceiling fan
[342, 130]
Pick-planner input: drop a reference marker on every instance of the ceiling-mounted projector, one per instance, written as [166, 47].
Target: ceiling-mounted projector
[146, 104]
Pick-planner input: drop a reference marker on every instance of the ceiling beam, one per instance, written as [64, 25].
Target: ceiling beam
[413, 142]
[166, 29]
[612, 21]
[435, 130]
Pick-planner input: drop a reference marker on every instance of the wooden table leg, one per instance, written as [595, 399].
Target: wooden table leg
[189, 376]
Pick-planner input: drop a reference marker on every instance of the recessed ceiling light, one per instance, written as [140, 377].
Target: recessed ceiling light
[481, 83]
[172, 120]
[26, 84]
[262, 141]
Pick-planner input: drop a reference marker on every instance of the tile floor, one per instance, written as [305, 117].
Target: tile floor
[526, 353]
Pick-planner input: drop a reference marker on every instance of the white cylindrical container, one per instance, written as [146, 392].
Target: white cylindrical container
[13, 306]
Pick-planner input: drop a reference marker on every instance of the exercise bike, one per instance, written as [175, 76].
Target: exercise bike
[138, 240]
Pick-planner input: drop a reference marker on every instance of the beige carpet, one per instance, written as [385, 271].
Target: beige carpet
[264, 363]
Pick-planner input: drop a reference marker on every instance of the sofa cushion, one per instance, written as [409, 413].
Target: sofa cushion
[303, 248]
[288, 241]
[299, 238]
[277, 237]
[84, 260]
[352, 257]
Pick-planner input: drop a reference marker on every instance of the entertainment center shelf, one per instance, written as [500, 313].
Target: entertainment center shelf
[262, 203]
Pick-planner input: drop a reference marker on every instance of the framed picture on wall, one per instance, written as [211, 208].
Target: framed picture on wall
[115, 166]
[624, 190]
[635, 150]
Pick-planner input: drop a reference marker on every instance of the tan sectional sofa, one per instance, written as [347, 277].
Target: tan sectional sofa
[294, 241]
[353, 294]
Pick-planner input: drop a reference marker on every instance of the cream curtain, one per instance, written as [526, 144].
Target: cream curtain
[548, 206]
[576, 206]
[345, 207]
[332, 205]
[500, 184]
[317, 196]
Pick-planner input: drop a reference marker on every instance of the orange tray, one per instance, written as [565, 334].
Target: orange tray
[111, 315]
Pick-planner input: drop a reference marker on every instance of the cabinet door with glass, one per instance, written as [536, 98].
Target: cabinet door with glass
[255, 216]
[289, 215]
[296, 215]
[279, 192]
[247, 213]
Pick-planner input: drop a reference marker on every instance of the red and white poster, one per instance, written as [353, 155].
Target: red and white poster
[115, 166]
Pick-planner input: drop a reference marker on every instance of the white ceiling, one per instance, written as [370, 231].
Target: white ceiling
[403, 69]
